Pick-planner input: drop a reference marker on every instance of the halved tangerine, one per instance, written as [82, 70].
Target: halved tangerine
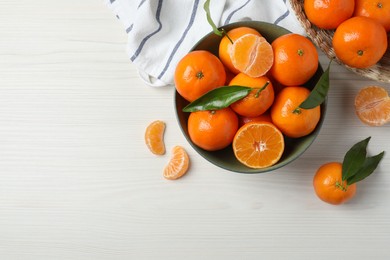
[154, 137]
[252, 54]
[372, 105]
[258, 144]
[178, 164]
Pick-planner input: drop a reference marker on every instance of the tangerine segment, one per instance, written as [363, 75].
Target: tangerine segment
[372, 105]
[178, 164]
[252, 54]
[225, 45]
[258, 144]
[154, 137]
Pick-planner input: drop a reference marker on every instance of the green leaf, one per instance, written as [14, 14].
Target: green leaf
[218, 98]
[319, 92]
[354, 159]
[368, 167]
[206, 7]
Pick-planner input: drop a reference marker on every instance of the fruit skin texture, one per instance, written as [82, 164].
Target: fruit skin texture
[378, 10]
[328, 14]
[372, 105]
[197, 73]
[212, 130]
[294, 124]
[328, 184]
[253, 104]
[225, 45]
[295, 59]
[360, 42]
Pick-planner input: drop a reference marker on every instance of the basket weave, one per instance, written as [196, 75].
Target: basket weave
[323, 39]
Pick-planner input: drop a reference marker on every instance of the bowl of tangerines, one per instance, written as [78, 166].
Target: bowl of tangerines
[354, 33]
[250, 97]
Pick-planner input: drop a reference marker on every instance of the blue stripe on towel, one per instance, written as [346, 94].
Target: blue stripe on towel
[128, 29]
[141, 3]
[232, 13]
[283, 15]
[194, 9]
[158, 12]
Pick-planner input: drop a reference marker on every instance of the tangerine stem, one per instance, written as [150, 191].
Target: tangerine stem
[341, 186]
[297, 110]
[261, 89]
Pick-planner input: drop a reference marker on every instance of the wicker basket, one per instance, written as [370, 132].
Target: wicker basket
[323, 39]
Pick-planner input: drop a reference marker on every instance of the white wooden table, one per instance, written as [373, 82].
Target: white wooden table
[77, 181]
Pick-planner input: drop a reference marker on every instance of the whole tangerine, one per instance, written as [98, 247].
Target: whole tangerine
[212, 130]
[197, 73]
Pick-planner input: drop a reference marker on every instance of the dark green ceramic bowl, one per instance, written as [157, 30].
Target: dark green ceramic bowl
[225, 158]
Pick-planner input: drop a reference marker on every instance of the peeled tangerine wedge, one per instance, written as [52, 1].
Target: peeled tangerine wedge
[154, 137]
[178, 164]
[372, 106]
[252, 54]
[258, 144]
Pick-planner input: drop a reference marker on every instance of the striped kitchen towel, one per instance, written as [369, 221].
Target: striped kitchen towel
[161, 32]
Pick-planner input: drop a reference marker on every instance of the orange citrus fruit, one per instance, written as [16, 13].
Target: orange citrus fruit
[225, 45]
[257, 101]
[212, 130]
[330, 187]
[378, 10]
[197, 73]
[154, 137]
[289, 118]
[295, 59]
[252, 55]
[177, 165]
[258, 145]
[372, 105]
[360, 42]
[328, 14]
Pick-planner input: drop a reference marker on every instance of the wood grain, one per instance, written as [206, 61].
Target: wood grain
[77, 181]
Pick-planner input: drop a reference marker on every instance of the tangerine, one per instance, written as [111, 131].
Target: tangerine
[225, 45]
[266, 117]
[258, 144]
[330, 187]
[328, 14]
[258, 100]
[378, 10]
[212, 130]
[289, 118]
[252, 55]
[372, 105]
[360, 42]
[197, 73]
[295, 59]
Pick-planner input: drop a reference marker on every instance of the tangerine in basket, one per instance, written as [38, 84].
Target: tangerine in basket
[177, 165]
[295, 59]
[289, 118]
[372, 105]
[212, 130]
[258, 100]
[378, 10]
[258, 144]
[154, 135]
[328, 14]
[197, 73]
[329, 186]
[225, 45]
[360, 42]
